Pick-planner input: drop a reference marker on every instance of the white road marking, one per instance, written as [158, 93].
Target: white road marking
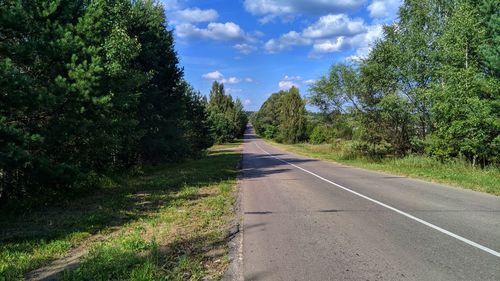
[465, 240]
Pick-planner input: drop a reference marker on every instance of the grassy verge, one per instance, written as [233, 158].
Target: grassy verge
[166, 223]
[458, 173]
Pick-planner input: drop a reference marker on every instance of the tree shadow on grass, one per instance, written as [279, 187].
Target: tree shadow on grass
[184, 259]
[106, 210]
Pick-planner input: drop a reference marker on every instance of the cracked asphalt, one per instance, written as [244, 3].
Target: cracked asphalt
[298, 226]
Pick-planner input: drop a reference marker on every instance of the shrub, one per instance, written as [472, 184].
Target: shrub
[320, 134]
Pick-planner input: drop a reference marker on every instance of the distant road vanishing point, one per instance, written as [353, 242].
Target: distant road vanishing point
[305, 219]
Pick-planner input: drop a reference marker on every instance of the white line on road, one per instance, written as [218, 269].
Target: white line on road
[465, 240]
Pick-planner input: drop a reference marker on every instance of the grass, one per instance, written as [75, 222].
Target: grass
[167, 222]
[455, 173]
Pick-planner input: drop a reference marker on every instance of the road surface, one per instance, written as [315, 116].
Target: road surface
[305, 219]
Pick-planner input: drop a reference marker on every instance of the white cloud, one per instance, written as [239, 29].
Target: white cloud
[384, 8]
[327, 27]
[216, 31]
[231, 80]
[245, 48]
[286, 41]
[215, 75]
[310, 81]
[270, 9]
[192, 15]
[188, 24]
[288, 81]
[285, 85]
[329, 46]
[331, 33]
[361, 42]
[334, 25]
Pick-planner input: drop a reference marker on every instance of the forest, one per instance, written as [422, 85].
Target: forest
[91, 88]
[429, 87]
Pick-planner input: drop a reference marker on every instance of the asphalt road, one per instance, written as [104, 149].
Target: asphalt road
[321, 221]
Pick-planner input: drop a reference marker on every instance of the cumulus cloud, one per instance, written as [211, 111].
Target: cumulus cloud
[289, 81]
[230, 80]
[218, 76]
[215, 31]
[384, 8]
[196, 23]
[270, 9]
[331, 33]
[285, 85]
[361, 42]
[329, 46]
[245, 48]
[334, 25]
[193, 15]
[215, 75]
[286, 41]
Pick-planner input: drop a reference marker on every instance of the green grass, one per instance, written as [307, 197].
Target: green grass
[166, 222]
[455, 173]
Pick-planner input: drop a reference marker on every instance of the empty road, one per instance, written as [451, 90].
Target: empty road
[305, 219]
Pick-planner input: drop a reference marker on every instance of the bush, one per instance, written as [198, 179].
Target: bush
[270, 131]
[358, 149]
[320, 134]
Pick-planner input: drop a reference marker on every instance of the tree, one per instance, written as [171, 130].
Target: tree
[466, 102]
[89, 87]
[292, 117]
[227, 117]
[282, 117]
[197, 136]
[267, 120]
[490, 48]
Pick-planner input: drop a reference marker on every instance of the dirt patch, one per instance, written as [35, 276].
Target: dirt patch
[55, 270]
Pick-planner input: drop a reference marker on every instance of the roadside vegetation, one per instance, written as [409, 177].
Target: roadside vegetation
[91, 88]
[454, 172]
[104, 146]
[164, 222]
[425, 101]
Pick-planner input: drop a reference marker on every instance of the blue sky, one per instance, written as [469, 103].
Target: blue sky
[257, 47]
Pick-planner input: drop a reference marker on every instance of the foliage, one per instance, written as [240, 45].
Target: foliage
[319, 135]
[490, 47]
[89, 87]
[292, 117]
[455, 172]
[430, 84]
[158, 224]
[227, 117]
[266, 121]
[282, 117]
[466, 104]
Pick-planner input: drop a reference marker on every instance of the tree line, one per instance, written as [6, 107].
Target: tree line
[89, 87]
[429, 86]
